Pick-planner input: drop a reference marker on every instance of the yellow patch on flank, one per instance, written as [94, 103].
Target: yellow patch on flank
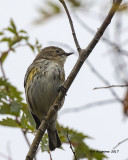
[31, 75]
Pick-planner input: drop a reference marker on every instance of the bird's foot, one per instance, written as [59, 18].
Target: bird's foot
[62, 89]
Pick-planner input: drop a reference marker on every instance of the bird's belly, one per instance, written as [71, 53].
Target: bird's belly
[44, 92]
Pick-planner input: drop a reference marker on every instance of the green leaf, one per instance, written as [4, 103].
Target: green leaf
[31, 47]
[1, 33]
[44, 144]
[14, 40]
[5, 108]
[2, 95]
[15, 108]
[6, 39]
[9, 122]
[74, 135]
[10, 98]
[3, 56]
[12, 109]
[123, 7]
[10, 90]
[27, 120]
[13, 26]
[99, 156]
[11, 30]
[77, 139]
[24, 37]
[22, 31]
[37, 42]
[30, 119]
[75, 3]
[56, 8]
[38, 46]
[23, 121]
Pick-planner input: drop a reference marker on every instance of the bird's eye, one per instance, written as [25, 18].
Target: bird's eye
[57, 51]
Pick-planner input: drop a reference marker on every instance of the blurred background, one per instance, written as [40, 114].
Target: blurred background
[101, 114]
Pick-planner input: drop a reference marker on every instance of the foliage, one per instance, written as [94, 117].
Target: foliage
[12, 105]
[81, 149]
[77, 139]
[15, 40]
[52, 9]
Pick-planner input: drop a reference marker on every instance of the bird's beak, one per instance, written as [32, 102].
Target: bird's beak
[68, 54]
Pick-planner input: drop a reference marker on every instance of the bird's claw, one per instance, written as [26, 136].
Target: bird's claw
[62, 89]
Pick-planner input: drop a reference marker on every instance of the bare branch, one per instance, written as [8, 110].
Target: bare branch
[82, 57]
[96, 73]
[24, 134]
[125, 85]
[5, 156]
[103, 80]
[2, 70]
[71, 146]
[120, 143]
[50, 155]
[72, 27]
[104, 39]
[93, 69]
[87, 106]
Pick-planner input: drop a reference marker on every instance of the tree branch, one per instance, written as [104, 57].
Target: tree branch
[88, 106]
[84, 53]
[93, 69]
[71, 24]
[2, 70]
[5, 156]
[50, 155]
[104, 81]
[125, 85]
[120, 143]
[25, 137]
[71, 147]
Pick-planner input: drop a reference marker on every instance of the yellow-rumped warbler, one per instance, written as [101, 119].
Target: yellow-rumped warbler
[42, 80]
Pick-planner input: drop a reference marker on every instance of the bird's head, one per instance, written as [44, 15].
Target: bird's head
[53, 53]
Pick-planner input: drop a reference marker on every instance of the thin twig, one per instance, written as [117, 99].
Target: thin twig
[120, 143]
[84, 53]
[2, 70]
[5, 156]
[92, 31]
[50, 155]
[24, 134]
[96, 73]
[104, 81]
[71, 146]
[122, 51]
[125, 85]
[87, 106]
[104, 39]
[9, 151]
[72, 27]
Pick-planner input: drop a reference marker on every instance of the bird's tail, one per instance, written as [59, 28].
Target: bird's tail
[54, 140]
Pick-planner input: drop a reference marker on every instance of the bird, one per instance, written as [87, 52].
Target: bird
[42, 82]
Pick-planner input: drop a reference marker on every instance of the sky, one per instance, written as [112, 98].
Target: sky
[105, 123]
